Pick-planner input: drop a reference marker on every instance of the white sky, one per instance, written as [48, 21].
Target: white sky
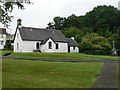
[41, 12]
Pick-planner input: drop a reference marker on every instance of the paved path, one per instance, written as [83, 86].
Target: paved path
[108, 77]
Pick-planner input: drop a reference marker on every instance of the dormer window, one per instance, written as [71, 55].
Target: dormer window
[50, 45]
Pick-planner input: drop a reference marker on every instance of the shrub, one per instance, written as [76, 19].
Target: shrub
[118, 52]
[8, 45]
[98, 52]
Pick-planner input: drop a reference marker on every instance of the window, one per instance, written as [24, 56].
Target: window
[50, 45]
[57, 47]
[17, 35]
[2, 42]
[37, 45]
[1, 35]
[74, 47]
[17, 46]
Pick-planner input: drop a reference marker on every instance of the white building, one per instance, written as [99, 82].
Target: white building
[119, 5]
[29, 39]
[2, 38]
[72, 45]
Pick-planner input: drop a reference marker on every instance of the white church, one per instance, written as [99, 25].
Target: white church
[29, 39]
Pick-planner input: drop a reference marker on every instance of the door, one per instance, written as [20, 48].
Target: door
[37, 45]
[68, 48]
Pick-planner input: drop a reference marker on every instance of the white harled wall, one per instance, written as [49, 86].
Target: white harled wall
[74, 50]
[2, 38]
[62, 47]
[24, 46]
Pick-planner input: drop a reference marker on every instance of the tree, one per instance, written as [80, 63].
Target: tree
[6, 8]
[100, 20]
[57, 23]
[71, 21]
[102, 17]
[94, 43]
[73, 32]
[102, 23]
[50, 25]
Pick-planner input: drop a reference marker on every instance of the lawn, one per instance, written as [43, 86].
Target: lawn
[72, 56]
[2, 52]
[102, 56]
[45, 74]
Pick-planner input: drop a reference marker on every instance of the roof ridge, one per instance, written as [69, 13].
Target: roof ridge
[39, 28]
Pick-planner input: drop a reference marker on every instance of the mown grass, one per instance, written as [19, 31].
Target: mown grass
[102, 56]
[76, 56]
[72, 56]
[45, 74]
[2, 52]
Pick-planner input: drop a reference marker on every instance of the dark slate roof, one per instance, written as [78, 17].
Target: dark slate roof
[37, 34]
[2, 31]
[71, 42]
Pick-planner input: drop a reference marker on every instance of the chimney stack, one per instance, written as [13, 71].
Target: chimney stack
[19, 22]
[72, 38]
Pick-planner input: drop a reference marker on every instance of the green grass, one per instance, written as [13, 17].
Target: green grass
[45, 74]
[102, 56]
[60, 55]
[72, 56]
[2, 52]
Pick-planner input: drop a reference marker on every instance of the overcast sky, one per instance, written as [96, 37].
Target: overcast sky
[41, 12]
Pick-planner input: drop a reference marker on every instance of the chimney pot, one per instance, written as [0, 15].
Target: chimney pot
[19, 22]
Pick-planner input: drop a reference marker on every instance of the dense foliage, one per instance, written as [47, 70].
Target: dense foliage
[8, 45]
[101, 25]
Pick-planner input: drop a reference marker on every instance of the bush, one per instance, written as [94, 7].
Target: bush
[8, 45]
[118, 52]
[98, 52]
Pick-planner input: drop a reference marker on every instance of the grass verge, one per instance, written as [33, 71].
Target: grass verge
[45, 74]
[71, 56]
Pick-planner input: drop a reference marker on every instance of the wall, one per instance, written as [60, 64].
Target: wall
[63, 47]
[24, 46]
[74, 50]
[17, 40]
[2, 39]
